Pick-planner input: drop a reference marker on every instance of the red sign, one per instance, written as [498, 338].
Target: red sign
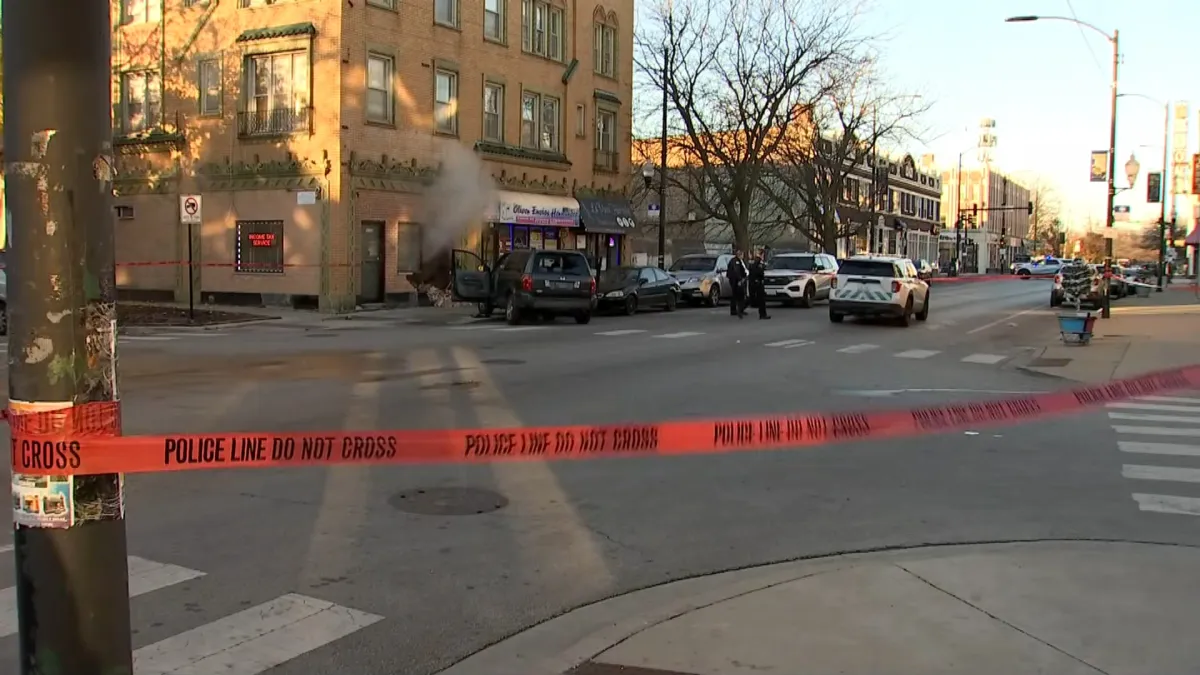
[261, 238]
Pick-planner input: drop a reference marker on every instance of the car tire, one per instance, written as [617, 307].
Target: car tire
[631, 305]
[806, 301]
[924, 313]
[1024, 273]
[3, 318]
[583, 318]
[1055, 301]
[836, 317]
[906, 318]
[485, 309]
[714, 295]
[512, 314]
[672, 301]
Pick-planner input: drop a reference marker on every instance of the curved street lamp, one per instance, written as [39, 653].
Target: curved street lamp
[1112, 123]
[1132, 167]
[1162, 189]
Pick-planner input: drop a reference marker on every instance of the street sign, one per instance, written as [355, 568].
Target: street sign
[189, 209]
[652, 210]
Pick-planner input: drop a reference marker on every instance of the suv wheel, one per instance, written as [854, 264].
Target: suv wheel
[906, 317]
[714, 295]
[807, 300]
[924, 313]
[1023, 273]
[583, 317]
[511, 313]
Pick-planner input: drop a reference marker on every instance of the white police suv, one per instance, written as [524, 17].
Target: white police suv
[879, 286]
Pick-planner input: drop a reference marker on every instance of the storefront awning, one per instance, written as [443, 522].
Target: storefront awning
[523, 208]
[606, 215]
[1193, 238]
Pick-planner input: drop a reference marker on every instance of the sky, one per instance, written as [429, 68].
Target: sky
[1046, 84]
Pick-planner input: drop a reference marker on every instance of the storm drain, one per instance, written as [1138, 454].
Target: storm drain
[448, 501]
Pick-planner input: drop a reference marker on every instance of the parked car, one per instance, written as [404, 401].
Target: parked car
[879, 286]
[630, 288]
[925, 270]
[529, 283]
[800, 277]
[701, 278]
[1047, 267]
[1094, 298]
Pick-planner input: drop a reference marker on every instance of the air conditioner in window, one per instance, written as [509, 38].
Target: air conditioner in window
[124, 212]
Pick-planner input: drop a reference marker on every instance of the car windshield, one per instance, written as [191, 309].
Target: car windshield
[620, 274]
[797, 263]
[694, 264]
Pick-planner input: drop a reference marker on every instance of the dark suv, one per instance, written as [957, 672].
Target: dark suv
[529, 283]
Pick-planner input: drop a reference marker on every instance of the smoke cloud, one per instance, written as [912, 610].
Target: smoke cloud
[460, 197]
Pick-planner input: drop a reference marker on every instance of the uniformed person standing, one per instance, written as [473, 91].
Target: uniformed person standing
[737, 274]
[758, 284]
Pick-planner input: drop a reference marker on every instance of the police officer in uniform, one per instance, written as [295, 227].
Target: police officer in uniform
[758, 285]
[737, 274]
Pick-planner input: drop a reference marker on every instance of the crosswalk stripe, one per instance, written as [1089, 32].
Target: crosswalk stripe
[1184, 506]
[253, 640]
[801, 343]
[917, 354]
[671, 336]
[145, 576]
[614, 333]
[786, 343]
[858, 349]
[1174, 449]
[1134, 417]
[476, 326]
[145, 338]
[519, 329]
[986, 359]
[1127, 405]
[1157, 431]
[1169, 399]
[6, 548]
[1176, 474]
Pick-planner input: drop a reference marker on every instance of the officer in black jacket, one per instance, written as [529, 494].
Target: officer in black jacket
[737, 274]
[758, 285]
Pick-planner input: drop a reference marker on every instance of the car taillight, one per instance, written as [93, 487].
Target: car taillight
[833, 282]
[593, 285]
[895, 286]
[1058, 279]
[526, 282]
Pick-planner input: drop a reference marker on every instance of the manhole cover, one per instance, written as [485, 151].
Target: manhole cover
[465, 384]
[448, 501]
[1049, 363]
[503, 362]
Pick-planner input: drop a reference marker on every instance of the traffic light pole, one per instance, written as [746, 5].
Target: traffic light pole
[69, 539]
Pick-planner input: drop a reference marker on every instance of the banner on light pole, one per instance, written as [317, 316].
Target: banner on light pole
[1099, 166]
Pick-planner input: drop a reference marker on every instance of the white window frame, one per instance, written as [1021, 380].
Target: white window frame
[140, 11]
[499, 13]
[205, 87]
[383, 4]
[445, 113]
[151, 85]
[547, 37]
[388, 64]
[533, 137]
[440, 8]
[604, 49]
[498, 114]
[300, 92]
[600, 144]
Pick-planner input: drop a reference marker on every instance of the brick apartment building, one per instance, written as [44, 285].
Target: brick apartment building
[995, 238]
[311, 128]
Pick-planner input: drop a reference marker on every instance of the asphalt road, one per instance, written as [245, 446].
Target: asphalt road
[420, 578]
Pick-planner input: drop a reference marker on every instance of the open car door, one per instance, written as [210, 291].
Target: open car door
[471, 278]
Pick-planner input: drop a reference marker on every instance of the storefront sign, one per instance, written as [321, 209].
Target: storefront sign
[538, 215]
[606, 216]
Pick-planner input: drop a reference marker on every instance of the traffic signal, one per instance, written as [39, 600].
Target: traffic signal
[1030, 210]
[1154, 188]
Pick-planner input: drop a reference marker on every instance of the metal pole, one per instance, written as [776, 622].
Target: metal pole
[1162, 198]
[662, 177]
[958, 218]
[1106, 311]
[191, 272]
[72, 579]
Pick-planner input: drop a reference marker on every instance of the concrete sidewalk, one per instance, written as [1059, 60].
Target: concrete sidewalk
[1050, 607]
[1142, 335]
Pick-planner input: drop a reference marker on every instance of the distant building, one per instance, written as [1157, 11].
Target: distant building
[990, 239]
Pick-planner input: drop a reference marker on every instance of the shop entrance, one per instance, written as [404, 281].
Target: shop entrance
[370, 250]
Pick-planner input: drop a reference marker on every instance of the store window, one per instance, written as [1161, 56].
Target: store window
[258, 247]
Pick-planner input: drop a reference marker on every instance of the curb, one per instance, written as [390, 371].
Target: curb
[567, 640]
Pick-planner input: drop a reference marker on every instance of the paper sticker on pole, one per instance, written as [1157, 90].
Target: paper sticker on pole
[189, 210]
[77, 440]
[44, 500]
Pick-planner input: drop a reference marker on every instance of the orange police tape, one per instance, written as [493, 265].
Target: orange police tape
[72, 441]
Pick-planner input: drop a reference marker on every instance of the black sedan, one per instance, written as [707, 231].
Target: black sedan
[629, 289]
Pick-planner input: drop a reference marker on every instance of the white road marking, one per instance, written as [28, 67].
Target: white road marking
[858, 349]
[1174, 474]
[673, 336]
[1169, 399]
[206, 333]
[614, 333]
[474, 326]
[1157, 431]
[254, 640]
[1154, 406]
[802, 343]
[1175, 449]
[1134, 417]
[144, 338]
[6, 548]
[1183, 506]
[520, 329]
[986, 359]
[917, 354]
[880, 393]
[1000, 321]
[787, 343]
[145, 576]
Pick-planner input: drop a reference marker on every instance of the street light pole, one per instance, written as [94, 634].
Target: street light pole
[72, 588]
[1162, 197]
[958, 224]
[662, 164]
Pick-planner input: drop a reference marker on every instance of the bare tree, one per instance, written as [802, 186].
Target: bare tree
[1045, 221]
[858, 121]
[737, 78]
